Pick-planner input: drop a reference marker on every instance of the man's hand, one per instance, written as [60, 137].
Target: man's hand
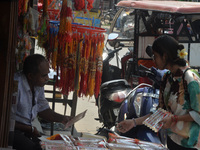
[66, 119]
[35, 132]
[125, 125]
[52, 116]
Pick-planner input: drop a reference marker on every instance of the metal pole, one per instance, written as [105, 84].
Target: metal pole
[136, 43]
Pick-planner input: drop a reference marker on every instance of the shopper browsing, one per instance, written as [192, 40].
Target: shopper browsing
[179, 94]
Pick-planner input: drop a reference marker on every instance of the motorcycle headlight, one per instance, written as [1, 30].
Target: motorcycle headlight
[137, 104]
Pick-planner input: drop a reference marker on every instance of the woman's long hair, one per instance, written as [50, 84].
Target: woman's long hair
[166, 44]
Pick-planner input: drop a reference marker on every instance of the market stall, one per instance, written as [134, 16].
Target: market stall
[73, 48]
[66, 46]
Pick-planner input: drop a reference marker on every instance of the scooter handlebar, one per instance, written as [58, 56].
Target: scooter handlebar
[145, 72]
[111, 54]
[151, 73]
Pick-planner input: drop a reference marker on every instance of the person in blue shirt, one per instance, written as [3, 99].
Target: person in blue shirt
[31, 103]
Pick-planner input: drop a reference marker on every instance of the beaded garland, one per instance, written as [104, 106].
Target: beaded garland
[71, 45]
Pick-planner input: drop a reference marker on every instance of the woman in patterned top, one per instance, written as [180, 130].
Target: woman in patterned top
[179, 94]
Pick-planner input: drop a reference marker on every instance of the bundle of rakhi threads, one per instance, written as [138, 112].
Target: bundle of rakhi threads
[74, 51]
[153, 122]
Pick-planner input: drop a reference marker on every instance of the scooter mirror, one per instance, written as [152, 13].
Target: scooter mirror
[113, 36]
[149, 51]
[114, 43]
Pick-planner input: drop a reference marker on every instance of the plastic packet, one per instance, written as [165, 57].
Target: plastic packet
[114, 146]
[153, 122]
[90, 148]
[90, 142]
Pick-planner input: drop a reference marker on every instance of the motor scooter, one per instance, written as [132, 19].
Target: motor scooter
[111, 72]
[113, 89]
[139, 102]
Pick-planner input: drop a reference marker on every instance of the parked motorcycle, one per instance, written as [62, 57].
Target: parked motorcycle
[111, 72]
[139, 102]
[113, 89]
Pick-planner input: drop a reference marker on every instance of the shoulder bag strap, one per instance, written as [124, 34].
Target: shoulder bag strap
[185, 85]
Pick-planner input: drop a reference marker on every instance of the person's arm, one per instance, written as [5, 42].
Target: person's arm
[52, 116]
[128, 124]
[26, 128]
[169, 121]
[139, 121]
[48, 114]
[186, 117]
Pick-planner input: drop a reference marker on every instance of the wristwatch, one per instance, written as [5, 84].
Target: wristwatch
[135, 124]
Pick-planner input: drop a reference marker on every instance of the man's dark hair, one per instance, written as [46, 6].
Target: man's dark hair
[32, 63]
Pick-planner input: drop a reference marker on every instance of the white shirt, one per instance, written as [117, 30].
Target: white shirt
[25, 112]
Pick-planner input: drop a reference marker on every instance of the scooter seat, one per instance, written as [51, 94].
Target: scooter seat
[113, 83]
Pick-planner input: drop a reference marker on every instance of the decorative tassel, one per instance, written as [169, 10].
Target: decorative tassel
[20, 7]
[79, 4]
[99, 65]
[66, 44]
[25, 6]
[76, 59]
[82, 68]
[86, 64]
[92, 69]
[43, 33]
[65, 29]
[90, 4]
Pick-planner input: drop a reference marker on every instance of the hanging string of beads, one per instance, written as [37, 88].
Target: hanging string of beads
[43, 34]
[83, 4]
[71, 45]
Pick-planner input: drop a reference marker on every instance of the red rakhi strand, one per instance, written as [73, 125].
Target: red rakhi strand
[64, 71]
[92, 68]
[99, 65]
[90, 4]
[63, 16]
[20, 7]
[86, 76]
[72, 63]
[25, 6]
[79, 4]
[65, 29]
[65, 42]
[82, 66]
[82, 62]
